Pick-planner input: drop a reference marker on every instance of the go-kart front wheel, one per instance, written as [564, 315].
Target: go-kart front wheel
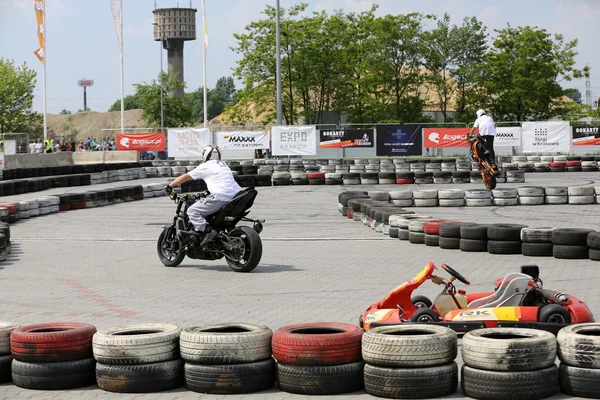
[554, 314]
[421, 301]
[425, 315]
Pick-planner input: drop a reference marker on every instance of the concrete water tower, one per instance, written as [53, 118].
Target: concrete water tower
[174, 26]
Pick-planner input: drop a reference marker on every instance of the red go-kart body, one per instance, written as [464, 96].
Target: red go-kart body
[518, 301]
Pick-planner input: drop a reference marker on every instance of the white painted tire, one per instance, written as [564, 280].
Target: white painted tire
[402, 203]
[44, 202]
[444, 194]
[34, 212]
[582, 199]
[369, 181]
[452, 202]
[506, 193]
[351, 181]
[5, 329]
[44, 210]
[556, 191]
[425, 202]
[505, 201]
[530, 191]
[557, 200]
[536, 235]
[281, 175]
[401, 195]
[478, 194]
[54, 209]
[148, 195]
[515, 179]
[531, 201]
[425, 194]
[581, 191]
[24, 206]
[299, 175]
[416, 225]
[479, 202]
[332, 175]
[560, 158]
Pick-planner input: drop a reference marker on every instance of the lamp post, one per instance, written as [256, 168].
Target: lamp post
[162, 109]
[278, 51]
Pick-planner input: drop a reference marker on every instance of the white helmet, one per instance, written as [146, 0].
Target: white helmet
[211, 153]
[480, 112]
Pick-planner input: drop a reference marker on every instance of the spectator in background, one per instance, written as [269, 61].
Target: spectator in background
[73, 144]
[39, 146]
[31, 147]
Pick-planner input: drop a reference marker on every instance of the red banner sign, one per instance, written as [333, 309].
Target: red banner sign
[445, 137]
[142, 141]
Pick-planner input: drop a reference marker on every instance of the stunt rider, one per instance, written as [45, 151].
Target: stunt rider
[221, 185]
[487, 132]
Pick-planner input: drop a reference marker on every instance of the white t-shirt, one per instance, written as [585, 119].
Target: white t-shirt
[486, 126]
[218, 178]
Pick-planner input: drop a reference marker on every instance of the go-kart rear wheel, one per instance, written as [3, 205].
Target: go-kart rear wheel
[424, 315]
[554, 314]
[421, 301]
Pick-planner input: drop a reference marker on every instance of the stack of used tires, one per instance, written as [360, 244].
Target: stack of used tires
[140, 358]
[537, 242]
[425, 198]
[593, 242]
[344, 200]
[318, 358]
[405, 177]
[416, 232]
[531, 195]
[431, 228]
[401, 198]
[581, 194]
[579, 354]
[451, 197]
[450, 235]
[410, 362]
[509, 363]
[6, 357]
[504, 238]
[505, 197]
[53, 356]
[478, 197]
[227, 358]
[556, 195]
[5, 247]
[473, 238]
[570, 243]
[515, 177]
[404, 224]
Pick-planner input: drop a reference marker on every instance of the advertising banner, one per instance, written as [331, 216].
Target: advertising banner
[244, 140]
[546, 137]
[41, 23]
[508, 137]
[141, 141]
[337, 139]
[188, 142]
[586, 135]
[399, 140]
[436, 138]
[294, 140]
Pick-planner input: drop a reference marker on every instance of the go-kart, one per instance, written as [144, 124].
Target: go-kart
[519, 300]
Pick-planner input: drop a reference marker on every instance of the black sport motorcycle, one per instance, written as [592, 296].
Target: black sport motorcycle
[240, 245]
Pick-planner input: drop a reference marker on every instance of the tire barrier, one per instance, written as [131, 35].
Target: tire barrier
[398, 223]
[53, 356]
[509, 363]
[401, 361]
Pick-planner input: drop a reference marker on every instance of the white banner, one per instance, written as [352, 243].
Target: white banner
[294, 140]
[546, 137]
[508, 137]
[244, 140]
[188, 142]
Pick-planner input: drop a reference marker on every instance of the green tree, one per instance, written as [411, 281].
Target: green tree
[132, 102]
[65, 112]
[524, 71]
[574, 94]
[177, 112]
[16, 88]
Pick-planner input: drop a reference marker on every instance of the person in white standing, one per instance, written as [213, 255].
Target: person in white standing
[221, 186]
[487, 131]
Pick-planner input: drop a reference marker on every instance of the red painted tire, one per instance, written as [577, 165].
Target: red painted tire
[433, 227]
[12, 209]
[350, 213]
[573, 163]
[64, 207]
[404, 181]
[57, 341]
[558, 164]
[316, 175]
[319, 343]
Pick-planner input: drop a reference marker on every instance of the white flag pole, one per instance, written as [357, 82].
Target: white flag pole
[122, 76]
[204, 48]
[44, 80]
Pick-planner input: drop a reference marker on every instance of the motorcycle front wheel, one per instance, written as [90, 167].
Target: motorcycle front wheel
[248, 249]
[489, 181]
[170, 249]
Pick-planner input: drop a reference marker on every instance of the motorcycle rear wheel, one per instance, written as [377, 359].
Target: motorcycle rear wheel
[250, 247]
[171, 253]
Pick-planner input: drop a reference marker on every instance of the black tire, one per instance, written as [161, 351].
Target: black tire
[537, 249]
[321, 380]
[571, 236]
[420, 301]
[393, 232]
[144, 378]
[578, 345]
[230, 379]
[411, 383]
[424, 315]
[554, 314]
[409, 346]
[449, 243]
[252, 249]
[54, 375]
[471, 245]
[570, 252]
[509, 349]
[416, 237]
[474, 232]
[594, 254]
[593, 240]
[452, 229]
[522, 385]
[171, 253]
[505, 232]
[503, 247]
[225, 344]
[5, 368]
[579, 382]
[432, 240]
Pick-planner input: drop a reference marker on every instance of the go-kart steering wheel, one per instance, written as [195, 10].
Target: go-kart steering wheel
[455, 274]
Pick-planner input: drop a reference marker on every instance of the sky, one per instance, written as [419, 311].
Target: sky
[82, 43]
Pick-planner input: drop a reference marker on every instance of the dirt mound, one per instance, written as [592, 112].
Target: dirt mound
[91, 123]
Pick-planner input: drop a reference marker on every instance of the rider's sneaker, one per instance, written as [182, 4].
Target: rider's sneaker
[209, 234]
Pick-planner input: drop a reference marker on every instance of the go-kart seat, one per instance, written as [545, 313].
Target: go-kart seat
[509, 293]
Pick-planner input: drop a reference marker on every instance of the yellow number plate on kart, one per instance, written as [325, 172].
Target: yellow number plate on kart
[489, 314]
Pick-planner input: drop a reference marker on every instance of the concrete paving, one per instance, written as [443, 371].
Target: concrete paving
[100, 266]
